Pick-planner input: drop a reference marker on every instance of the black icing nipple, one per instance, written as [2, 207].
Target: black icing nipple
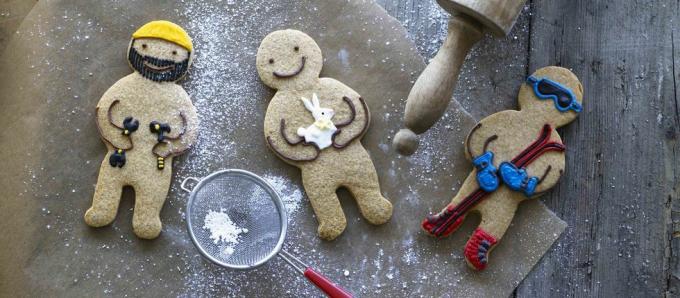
[159, 128]
[117, 158]
[130, 125]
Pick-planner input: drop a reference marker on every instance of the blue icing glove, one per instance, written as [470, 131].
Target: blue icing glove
[518, 179]
[529, 186]
[486, 172]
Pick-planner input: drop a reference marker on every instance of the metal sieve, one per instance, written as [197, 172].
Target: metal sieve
[253, 206]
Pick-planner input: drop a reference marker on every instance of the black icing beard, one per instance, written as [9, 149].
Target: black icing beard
[159, 70]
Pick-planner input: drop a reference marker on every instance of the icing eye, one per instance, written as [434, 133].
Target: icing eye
[271, 61]
[323, 113]
[296, 48]
[144, 46]
[174, 52]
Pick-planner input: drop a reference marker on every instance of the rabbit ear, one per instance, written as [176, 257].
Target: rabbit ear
[315, 100]
[308, 104]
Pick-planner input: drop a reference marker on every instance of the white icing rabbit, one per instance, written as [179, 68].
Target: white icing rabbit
[322, 130]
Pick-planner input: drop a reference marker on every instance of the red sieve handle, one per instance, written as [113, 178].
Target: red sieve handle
[328, 287]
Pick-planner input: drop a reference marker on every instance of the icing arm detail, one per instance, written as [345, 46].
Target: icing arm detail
[286, 157]
[363, 129]
[176, 143]
[114, 140]
[282, 130]
[352, 110]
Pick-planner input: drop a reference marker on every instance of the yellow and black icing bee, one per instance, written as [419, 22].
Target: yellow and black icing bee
[160, 162]
[117, 159]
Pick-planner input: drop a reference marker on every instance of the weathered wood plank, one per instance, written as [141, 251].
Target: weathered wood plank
[616, 192]
[672, 161]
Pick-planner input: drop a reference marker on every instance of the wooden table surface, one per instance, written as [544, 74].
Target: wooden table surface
[620, 196]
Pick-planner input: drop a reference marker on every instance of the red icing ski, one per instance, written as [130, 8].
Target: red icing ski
[447, 221]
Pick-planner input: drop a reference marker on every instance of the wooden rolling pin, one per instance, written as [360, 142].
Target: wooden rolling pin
[432, 91]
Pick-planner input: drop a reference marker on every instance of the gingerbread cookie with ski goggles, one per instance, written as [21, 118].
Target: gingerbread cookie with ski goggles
[517, 155]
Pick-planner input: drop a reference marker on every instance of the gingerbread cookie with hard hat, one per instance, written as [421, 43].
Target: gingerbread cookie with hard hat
[316, 125]
[517, 155]
[145, 119]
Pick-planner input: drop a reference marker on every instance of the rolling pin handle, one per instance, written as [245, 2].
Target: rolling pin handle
[405, 142]
[433, 90]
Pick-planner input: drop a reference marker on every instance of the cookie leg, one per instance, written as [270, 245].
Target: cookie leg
[372, 205]
[149, 199]
[496, 213]
[452, 216]
[326, 206]
[106, 197]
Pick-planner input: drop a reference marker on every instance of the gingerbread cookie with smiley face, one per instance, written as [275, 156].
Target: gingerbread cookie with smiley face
[316, 125]
[144, 120]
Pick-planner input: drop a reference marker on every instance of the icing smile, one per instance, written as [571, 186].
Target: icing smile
[155, 68]
[291, 74]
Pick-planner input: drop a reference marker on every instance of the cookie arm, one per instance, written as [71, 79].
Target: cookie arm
[548, 178]
[352, 116]
[186, 137]
[477, 142]
[284, 142]
[356, 123]
[107, 124]
[289, 150]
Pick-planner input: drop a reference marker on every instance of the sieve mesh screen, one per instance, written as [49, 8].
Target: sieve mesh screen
[250, 204]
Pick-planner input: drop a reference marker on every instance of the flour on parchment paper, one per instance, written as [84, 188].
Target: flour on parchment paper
[289, 191]
[228, 97]
[223, 230]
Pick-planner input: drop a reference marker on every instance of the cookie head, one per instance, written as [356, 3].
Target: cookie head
[552, 94]
[160, 51]
[288, 59]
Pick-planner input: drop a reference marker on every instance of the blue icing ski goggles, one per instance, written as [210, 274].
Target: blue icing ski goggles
[562, 97]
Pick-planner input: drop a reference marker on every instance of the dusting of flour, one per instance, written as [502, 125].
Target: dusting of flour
[223, 230]
[231, 100]
[290, 193]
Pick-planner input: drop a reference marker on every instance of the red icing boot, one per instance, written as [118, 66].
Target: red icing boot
[441, 224]
[478, 247]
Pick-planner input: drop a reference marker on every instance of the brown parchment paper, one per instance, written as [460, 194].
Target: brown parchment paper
[67, 53]
[12, 13]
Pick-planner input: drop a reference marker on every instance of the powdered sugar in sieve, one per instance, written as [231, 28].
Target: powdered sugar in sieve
[223, 230]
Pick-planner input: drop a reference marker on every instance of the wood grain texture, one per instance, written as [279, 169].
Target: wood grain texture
[615, 196]
[620, 193]
[498, 16]
[672, 162]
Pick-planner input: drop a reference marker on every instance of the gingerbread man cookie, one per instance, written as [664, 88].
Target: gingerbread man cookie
[145, 119]
[316, 125]
[517, 155]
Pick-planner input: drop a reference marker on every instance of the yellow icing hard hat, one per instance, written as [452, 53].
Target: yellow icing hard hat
[165, 30]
